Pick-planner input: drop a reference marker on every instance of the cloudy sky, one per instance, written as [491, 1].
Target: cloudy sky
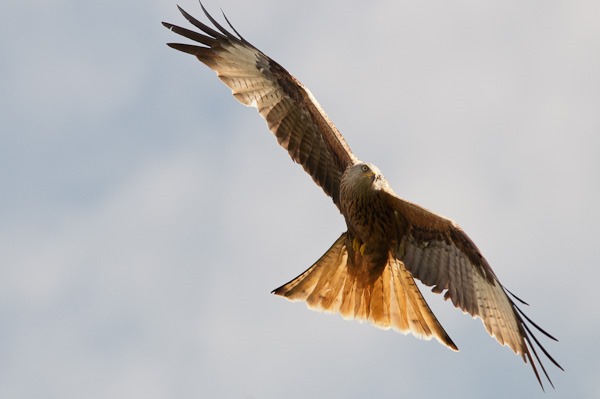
[145, 215]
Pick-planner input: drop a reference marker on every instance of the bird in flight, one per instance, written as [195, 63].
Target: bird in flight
[368, 273]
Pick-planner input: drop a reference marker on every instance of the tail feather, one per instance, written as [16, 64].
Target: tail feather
[392, 300]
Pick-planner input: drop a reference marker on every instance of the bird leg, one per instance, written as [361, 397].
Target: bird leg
[358, 246]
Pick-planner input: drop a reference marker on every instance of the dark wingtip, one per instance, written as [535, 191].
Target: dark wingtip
[184, 13]
[531, 339]
[514, 296]
[231, 26]
[203, 8]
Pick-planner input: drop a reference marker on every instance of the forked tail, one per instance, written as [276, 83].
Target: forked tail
[391, 300]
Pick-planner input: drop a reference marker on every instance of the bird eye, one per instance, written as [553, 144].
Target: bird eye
[365, 168]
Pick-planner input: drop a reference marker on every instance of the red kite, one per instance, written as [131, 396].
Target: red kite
[368, 273]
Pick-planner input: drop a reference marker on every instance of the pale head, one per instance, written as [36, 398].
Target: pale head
[364, 177]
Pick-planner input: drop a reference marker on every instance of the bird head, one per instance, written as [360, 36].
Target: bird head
[367, 175]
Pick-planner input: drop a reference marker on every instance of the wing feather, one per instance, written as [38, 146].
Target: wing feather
[438, 252]
[292, 113]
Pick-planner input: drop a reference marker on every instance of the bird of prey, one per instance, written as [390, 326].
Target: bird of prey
[368, 273]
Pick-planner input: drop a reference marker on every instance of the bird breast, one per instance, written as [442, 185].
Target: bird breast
[367, 215]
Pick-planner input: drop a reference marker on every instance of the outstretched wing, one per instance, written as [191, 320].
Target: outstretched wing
[291, 112]
[439, 253]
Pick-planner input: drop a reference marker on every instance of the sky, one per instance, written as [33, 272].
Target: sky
[145, 215]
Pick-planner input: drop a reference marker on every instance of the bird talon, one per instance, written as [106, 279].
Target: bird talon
[358, 246]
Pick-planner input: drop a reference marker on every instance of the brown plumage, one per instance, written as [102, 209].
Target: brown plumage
[368, 272]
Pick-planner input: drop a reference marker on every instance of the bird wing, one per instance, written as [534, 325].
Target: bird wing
[292, 113]
[439, 253]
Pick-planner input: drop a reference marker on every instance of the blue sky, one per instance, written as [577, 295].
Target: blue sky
[145, 215]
